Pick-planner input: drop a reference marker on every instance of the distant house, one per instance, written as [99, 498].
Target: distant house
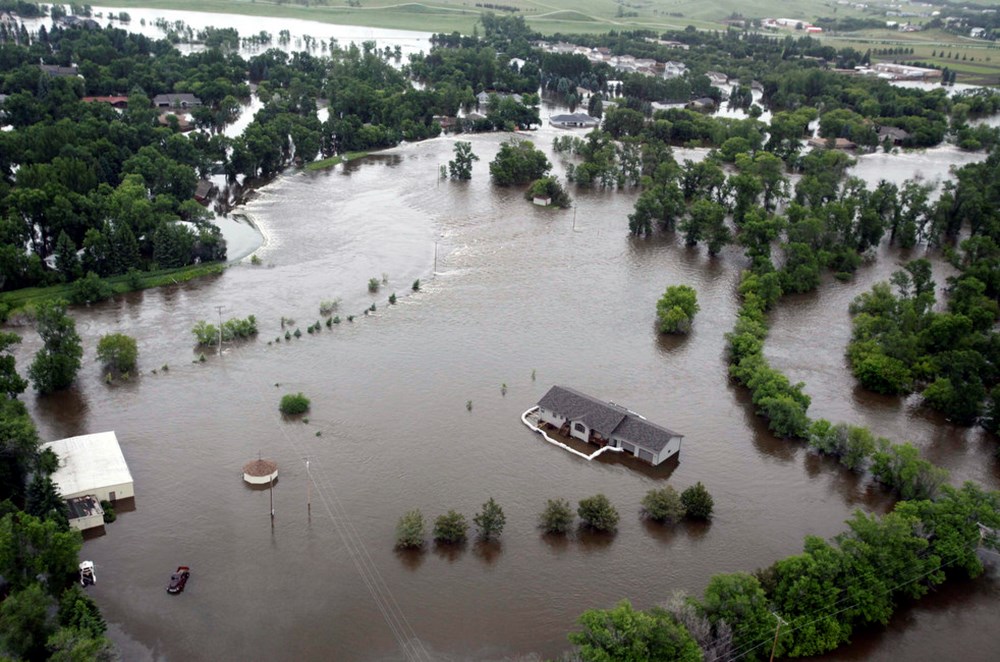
[204, 191]
[606, 424]
[893, 134]
[91, 469]
[183, 124]
[673, 69]
[80, 22]
[57, 71]
[120, 102]
[483, 98]
[717, 78]
[574, 121]
[977, 33]
[838, 143]
[176, 100]
[704, 103]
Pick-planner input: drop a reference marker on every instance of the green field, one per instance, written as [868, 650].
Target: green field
[26, 298]
[547, 16]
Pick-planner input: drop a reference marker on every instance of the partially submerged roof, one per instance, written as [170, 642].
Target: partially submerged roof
[89, 462]
[574, 117]
[607, 418]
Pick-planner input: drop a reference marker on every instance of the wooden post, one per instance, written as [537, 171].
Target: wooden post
[270, 493]
[309, 492]
[777, 629]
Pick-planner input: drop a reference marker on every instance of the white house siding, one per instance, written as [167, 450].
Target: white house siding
[673, 447]
[551, 418]
[579, 430]
[121, 490]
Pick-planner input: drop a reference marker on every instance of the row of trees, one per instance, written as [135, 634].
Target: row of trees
[450, 528]
[596, 512]
[821, 596]
[44, 614]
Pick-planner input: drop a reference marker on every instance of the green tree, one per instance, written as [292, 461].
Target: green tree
[410, 530]
[663, 505]
[57, 362]
[622, 634]
[490, 520]
[117, 352]
[738, 601]
[77, 610]
[461, 166]
[676, 309]
[518, 162]
[698, 503]
[31, 548]
[44, 501]
[75, 645]
[11, 383]
[450, 528]
[67, 262]
[557, 517]
[293, 403]
[598, 513]
[25, 624]
[549, 187]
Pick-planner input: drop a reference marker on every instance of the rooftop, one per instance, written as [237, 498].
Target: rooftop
[607, 418]
[89, 462]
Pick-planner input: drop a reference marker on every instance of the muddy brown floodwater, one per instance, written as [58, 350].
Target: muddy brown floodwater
[518, 292]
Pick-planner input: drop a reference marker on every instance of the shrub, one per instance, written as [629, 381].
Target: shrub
[676, 309]
[109, 512]
[416, 285]
[490, 521]
[697, 502]
[557, 517]
[374, 285]
[450, 528]
[392, 299]
[663, 505]
[89, 289]
[410, 530]
[598, 513]
[294, 403]
[327, 308]
[117, 351]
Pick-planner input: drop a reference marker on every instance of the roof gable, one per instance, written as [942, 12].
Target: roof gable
[607, 418]
[600, 416]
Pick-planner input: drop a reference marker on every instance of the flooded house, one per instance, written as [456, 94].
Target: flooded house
[594, 421]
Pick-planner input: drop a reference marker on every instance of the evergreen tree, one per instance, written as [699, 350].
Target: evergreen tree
[56, 364]
[67, 263]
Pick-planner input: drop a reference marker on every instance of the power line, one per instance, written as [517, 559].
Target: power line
[739, 654]
[411, 645]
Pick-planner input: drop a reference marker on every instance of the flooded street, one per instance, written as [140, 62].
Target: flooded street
[519, 297]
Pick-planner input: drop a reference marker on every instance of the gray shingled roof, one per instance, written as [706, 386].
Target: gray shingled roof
[644, 434]
[603, 417]
[607, 418]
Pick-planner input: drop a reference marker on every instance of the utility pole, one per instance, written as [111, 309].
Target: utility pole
[271, 494]
[435, 259]
[309, 491]
[219, 309]
[777, 629]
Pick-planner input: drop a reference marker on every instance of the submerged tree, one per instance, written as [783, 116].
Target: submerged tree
[461, 166]
[676, 309]
[56, 364]
[490, 521]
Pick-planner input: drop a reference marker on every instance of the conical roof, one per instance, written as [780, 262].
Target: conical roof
[260, 468]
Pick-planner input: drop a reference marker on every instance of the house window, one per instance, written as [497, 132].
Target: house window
[579, 427]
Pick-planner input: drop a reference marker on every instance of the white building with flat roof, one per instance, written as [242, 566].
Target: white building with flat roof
[92, 464]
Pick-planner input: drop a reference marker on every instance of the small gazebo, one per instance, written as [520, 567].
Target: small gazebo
[260, 471]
